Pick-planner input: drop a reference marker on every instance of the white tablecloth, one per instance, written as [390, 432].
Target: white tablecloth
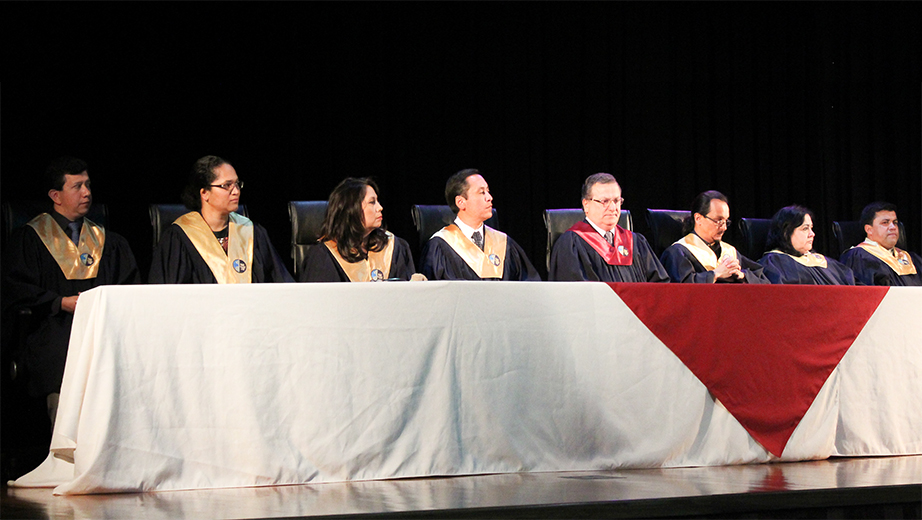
[180, 387]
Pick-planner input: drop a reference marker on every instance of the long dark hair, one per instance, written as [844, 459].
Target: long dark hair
[785, 221]
[343, 221]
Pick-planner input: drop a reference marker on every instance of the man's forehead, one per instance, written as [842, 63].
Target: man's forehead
[475, 181]
[600, 187]
[885, 215]
[717, 205]
[76, 177]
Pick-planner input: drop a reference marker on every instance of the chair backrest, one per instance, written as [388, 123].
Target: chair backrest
[306, 219]
[754, 233]
[666, 227]
[18, 213]
[557, 221]
[850, 233]
[429, 219]
[162, 215]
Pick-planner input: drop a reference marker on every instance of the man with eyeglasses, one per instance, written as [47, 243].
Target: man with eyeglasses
[49, 262]
[212, 243]
[701, 256]
[877, 260]
[598, 249]
[467, 249]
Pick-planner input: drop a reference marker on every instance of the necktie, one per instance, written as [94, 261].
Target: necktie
[478, 239]
[610, 238]
[74, 232]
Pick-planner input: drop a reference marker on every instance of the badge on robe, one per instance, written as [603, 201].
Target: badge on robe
[810, 259]
[901, 263]
[620, 252]
[375, 268]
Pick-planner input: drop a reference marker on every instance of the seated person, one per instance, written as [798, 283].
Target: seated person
[791, 259]
[877, 260]
[701, 256]
[597, 248]
[211, 243]
[467, 249]
[354, 246]
[49, 262]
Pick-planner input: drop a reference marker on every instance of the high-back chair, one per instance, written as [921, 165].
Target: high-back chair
[557, 221]
[306, 219]
[666, 227]
[754, 232]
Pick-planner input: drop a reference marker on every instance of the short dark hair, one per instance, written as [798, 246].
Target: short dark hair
[457, 185]
[344, 223]
[58, 168]
[783, 224]
[871, 210]
[200, 178]
[702, 206]
[592, 180]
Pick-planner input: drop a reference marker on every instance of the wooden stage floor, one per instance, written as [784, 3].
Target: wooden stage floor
[867, 487]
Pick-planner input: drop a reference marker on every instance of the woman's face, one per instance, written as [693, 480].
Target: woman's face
[802, 237]
[372, 211]
[224, 193]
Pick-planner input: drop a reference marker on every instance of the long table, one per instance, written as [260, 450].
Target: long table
[209, 386]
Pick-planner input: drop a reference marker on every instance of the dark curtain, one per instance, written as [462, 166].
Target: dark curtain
[771, 103]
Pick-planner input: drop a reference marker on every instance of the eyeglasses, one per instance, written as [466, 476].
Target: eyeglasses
[719, 223]
[229, 185]
[608, 202]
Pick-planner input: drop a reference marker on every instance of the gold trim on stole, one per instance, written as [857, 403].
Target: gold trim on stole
[488, 263]
[375, 268]
[901, 264]
[704, 254]
[809, 259]
[236, 265]
[77, 262]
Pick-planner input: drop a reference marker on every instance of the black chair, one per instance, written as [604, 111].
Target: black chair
[306, 218]
[162, 215]
[557, 221]
[429, 219]
[851, 233]
[666, 227]
[754, 233]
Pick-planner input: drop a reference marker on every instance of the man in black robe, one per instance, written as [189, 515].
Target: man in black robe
[49, 262]
[598, 249]
[701, 256]
[877, 260]
[468, 249]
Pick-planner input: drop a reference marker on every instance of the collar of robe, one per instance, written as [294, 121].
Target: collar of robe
[621, 252]
[488, 263]
[901, 263]
[375, 268]
[704, 254]
[233, 266]
[78, 261]
[810, 259]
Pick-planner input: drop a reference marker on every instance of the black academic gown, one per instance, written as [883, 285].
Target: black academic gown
[440, 262]
[176, 260]
[870, 270]
[32, 279]
[781, 268]
[684, 267]
[573, 259]
[319, 265]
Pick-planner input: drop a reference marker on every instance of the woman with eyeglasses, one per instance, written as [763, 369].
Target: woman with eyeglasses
[791, 259]
[701, 256]
[211, 243]
[354, 245]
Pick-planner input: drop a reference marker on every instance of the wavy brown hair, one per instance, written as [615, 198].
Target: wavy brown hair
[343, 221]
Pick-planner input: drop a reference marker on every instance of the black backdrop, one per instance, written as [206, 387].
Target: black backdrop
[770, 103]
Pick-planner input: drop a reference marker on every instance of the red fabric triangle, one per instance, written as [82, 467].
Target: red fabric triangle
[763, 350]
[620, 253]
